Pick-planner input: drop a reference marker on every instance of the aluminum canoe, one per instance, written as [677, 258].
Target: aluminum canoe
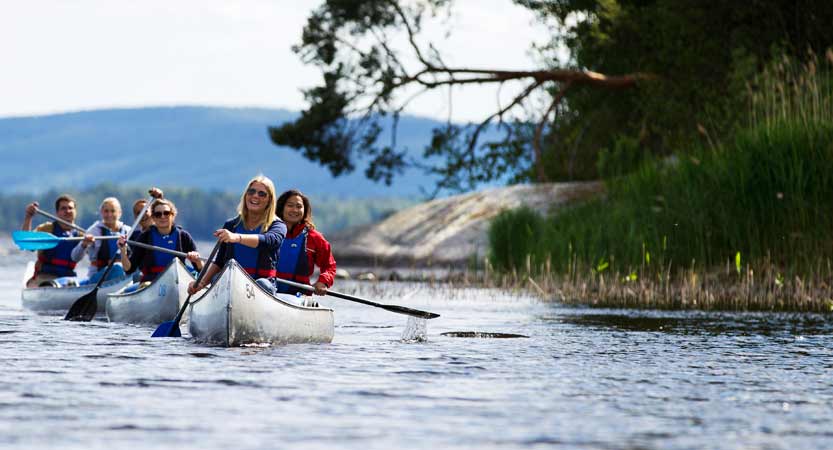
[159, 302]
[236, 311]
[53, 300]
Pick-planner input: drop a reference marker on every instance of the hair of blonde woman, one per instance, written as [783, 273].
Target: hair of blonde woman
[163, 201]
[269, 215]
[112, 201]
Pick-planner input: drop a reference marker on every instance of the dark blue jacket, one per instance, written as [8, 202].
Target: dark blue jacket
[269, 247]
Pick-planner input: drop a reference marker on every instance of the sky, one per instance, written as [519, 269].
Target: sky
[59, 56]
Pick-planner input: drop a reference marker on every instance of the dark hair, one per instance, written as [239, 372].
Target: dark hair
[307, 220]
[64, 198]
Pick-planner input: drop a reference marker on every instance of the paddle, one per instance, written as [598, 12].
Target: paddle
[391, 308]
[61, 221]
[38, 240]
[171, 328]
[85, 307]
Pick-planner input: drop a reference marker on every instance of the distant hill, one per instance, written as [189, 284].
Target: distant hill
[191, 147]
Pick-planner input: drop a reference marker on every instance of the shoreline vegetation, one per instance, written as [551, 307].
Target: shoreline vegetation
[742, 224]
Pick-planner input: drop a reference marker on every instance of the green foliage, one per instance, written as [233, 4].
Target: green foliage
[703, 53]
[627, 155]
[767, 194]
[513, 235]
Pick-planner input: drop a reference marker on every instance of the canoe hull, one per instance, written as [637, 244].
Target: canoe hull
[154, 304]
[51, 300]
[237, 311]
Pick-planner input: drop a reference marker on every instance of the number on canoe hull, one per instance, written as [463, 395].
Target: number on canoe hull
[250, 291]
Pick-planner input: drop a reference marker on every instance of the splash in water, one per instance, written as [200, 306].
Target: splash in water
[416, 330]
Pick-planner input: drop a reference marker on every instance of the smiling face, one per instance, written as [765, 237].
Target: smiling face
[66, 210]
[163, 217]
[257, 198]
[110, 215]
[293, 211]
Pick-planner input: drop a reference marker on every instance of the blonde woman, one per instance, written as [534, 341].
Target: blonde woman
[253, 238]
[100, 251]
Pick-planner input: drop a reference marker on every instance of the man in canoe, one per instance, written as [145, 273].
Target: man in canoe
[163, 232]
[55, 262]
[253, 238]
[146, 221]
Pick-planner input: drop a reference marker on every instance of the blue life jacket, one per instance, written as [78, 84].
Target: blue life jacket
[57, 261]
[107, 249]
[250, 258]
[154, 261]
[293, 264]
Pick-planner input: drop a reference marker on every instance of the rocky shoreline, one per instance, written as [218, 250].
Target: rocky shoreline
[448, 233]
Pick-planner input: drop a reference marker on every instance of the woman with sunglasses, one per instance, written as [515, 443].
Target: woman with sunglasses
[253, 238]
[162, 233]
[304, 247]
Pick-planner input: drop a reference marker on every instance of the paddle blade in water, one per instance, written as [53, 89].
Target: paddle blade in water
[167, 329]
[84, 308]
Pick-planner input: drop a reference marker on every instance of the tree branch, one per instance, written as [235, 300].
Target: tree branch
[540, 175]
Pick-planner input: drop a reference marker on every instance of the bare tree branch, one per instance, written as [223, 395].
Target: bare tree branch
[536, 141]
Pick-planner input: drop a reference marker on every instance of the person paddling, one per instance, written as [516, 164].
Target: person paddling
[163, 232]
[56, 262]
[253, 238]
[304, 247]
[146, 221]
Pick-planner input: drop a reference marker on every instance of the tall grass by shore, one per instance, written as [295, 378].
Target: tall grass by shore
[663, 236]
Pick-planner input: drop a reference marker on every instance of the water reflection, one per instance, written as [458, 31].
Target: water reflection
[697, 323]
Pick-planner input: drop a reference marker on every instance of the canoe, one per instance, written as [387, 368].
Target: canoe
[154, 304]
[237, 311]
[56, 300]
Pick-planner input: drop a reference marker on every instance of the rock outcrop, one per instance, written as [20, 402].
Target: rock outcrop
[448, 231]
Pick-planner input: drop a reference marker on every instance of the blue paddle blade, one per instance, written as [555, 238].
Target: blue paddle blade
[167, 329]
[34, 240]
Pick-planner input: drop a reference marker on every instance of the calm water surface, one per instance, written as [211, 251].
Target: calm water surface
[584, 379]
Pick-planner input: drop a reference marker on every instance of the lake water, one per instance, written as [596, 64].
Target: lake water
[583, 379]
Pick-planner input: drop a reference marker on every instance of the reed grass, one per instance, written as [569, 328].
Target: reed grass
[688, 232]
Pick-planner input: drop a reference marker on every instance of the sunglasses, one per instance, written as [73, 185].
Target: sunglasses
[160, 214]
[253, 191]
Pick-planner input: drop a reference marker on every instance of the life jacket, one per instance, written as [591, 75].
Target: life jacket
[107, 249]
[293, 264]
[57, 261]
[255, 262]
[155, 262]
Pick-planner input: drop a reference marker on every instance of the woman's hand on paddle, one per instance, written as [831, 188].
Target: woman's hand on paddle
[122, 243]
[155, 192]
[224, 235]
[194, 257]
[193, 287]
[89, 240]
[320, 288]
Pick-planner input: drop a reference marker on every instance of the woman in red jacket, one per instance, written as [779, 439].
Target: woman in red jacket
[304, 247]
